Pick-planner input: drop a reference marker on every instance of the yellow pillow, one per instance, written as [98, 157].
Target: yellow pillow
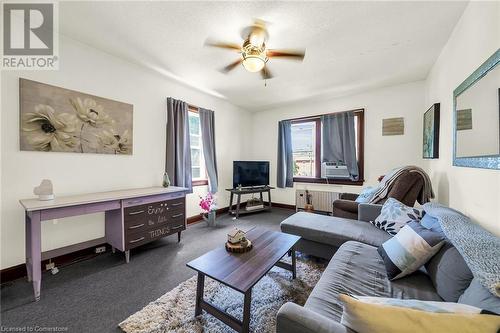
[375, 315]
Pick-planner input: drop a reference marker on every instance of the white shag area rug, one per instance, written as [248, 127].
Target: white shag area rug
[174, 311]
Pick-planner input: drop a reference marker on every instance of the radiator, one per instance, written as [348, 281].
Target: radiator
[321, 200]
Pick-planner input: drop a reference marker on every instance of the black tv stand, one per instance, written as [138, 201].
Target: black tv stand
[249, 190]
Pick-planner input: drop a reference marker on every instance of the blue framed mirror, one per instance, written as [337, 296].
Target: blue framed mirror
[476, 117]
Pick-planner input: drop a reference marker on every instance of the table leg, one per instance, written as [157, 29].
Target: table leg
[127, 256]
[179, 237]
[246, 312]
[36, 252]
[27, 243]
[294, 264]
[231, 203]
[269, 195]
[238, 206]
[200, 286]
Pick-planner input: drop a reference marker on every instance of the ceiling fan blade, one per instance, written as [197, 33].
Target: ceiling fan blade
[231, 66]
[292, 54]
[223, 45]
[265, 73]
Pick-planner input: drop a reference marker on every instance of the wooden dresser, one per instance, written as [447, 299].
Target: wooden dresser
[147, 222]
[133, 217]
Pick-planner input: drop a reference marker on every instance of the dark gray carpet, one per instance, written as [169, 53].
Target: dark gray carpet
[95, 295]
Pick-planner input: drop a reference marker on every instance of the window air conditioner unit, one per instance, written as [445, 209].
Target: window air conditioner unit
[334, 170]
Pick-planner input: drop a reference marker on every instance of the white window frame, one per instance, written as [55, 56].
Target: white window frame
[203, 169]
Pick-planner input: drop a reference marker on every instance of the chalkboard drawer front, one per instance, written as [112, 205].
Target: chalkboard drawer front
[176, 204]
[178, 225]
[136, 227]
[135, 239]
[176, 215]
[135, 213]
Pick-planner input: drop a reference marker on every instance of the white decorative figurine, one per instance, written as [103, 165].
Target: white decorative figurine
[235, 236]
[44, 190]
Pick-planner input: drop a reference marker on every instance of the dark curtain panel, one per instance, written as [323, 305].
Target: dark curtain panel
[178, 156]
[285, 154]
[207, 122]
[339, 141]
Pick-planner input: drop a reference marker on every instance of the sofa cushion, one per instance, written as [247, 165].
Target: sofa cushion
[357, 269]
[478, 296]
[449, 273]
[333, 231]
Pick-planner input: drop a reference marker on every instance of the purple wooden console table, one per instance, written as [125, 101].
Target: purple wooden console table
[133, 217]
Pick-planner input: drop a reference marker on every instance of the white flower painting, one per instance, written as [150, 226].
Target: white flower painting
[55, 119]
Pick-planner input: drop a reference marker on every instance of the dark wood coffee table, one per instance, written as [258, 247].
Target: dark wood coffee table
[241, 271]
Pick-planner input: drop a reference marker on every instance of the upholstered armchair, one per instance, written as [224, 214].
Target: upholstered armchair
[406, 188]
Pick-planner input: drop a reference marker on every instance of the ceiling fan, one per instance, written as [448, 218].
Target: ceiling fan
[254, 53]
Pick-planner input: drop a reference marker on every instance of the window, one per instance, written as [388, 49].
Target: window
[306, 146]
[197, 161]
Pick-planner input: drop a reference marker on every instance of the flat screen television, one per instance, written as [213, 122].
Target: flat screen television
[250, 173]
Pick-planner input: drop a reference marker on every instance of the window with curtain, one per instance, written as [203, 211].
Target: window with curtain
[198, 168]
[304, 148]
[307, 145]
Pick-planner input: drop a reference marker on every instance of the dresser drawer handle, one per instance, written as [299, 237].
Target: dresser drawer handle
[135, 213]
[136, 226]
[178, 227]
[177, 215]
[177, 204]
[134, 202]
[136, 240]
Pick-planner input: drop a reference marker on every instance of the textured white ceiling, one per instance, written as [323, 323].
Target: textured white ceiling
[350, 46]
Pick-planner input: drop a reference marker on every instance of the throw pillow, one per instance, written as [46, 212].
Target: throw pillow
[366, 194]
[389, 315]
[412, 247]
[395, 215]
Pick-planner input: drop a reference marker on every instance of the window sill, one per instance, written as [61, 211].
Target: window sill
[330, 181]
[201, 182]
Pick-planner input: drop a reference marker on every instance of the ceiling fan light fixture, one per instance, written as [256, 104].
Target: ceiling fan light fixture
[253, 58]
[253, 63]
[258, 37]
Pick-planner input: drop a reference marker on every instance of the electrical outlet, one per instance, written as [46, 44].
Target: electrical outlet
[55, 221]
[100, 249]
[50, 266]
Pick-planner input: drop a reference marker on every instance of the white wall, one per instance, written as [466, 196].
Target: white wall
[476, 192]
[382, 153]
[88, 70]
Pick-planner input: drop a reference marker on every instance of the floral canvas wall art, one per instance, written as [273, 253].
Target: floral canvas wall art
[55, 119]
[431, 132]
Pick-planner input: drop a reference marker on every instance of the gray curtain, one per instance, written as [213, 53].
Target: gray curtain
[339, 141]
[207, 122]
[285, 154]
[178, 156]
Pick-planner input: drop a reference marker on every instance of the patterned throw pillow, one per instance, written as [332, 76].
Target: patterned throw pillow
[395, 215]
[364, 314]
[411, 248]
[366, 194]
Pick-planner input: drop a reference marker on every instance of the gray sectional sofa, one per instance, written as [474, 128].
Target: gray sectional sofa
[356, 268]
